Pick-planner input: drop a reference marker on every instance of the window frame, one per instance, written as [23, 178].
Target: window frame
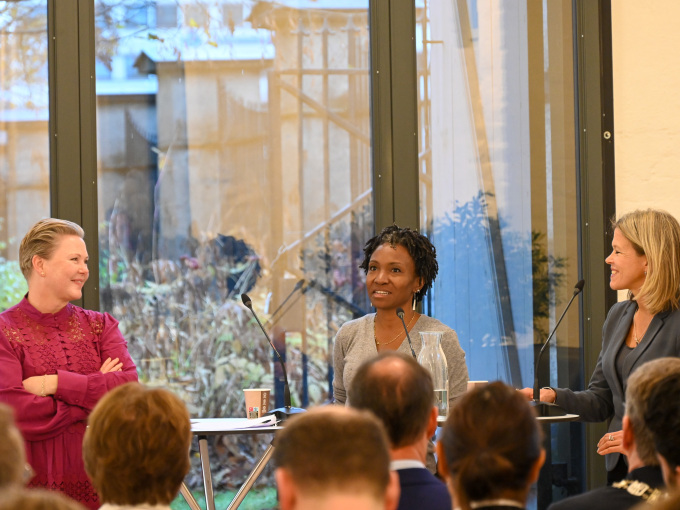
[394, 125]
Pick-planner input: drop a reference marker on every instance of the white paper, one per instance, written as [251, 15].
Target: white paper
[227, 424]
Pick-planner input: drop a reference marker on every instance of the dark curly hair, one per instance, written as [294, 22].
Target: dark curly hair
[419, 247]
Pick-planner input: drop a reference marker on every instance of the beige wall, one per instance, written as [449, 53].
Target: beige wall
[646, 48]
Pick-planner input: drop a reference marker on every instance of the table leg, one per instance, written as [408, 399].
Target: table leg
[207, 474]
[252, 477]
[189, 497]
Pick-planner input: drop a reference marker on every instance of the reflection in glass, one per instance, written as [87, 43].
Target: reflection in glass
[24, 142]
[498, 182]
[233, 158]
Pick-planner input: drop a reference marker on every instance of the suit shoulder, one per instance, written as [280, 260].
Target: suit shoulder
[603, 497]
[621, 307]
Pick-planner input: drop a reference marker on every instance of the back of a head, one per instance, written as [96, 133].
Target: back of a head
[335, 449]
[663, 418]
[639, 387]
[397, 390]
[17, 498]
[12, 450]
[491, 442]
[136, 448]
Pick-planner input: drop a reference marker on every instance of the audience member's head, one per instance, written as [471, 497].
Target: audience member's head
[19, 498]
[399, 391]
[136, 447]
[12, 450]
[334, 454]
[663, 419]
[491, 446]
[640, 385]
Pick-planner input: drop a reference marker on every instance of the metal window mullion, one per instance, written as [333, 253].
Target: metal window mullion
[72, 125]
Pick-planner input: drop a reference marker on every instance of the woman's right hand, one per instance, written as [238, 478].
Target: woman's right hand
[547, 395]
[111, 365]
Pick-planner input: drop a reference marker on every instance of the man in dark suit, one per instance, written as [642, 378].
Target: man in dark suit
[399, 391]
[663, 420]
[644, 480]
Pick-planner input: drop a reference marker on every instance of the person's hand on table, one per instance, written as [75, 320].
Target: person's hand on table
[546, 394]
[611, 442]
[111, 365]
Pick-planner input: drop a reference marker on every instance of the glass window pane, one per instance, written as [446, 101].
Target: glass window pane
[498, 183]
[24, 139]
[233, 146]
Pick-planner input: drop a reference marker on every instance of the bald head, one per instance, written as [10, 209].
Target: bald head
[398, 391]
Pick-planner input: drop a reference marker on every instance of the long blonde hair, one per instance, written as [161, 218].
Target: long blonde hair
[656, 234]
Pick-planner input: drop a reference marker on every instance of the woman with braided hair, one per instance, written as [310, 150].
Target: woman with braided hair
[400, 266]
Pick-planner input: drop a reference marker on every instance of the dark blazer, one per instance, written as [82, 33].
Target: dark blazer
[420, 489]
[604, 398]
[611, 497]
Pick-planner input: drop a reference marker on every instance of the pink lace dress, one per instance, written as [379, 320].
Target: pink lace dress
[72, 343]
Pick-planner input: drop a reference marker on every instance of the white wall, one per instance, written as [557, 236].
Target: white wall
[646, 49]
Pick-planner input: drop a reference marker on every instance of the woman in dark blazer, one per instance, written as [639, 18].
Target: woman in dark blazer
[490, 451]
[645, 261]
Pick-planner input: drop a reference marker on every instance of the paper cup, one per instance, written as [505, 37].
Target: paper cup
[257, 402]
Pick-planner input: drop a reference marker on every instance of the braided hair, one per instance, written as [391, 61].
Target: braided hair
[419, 247]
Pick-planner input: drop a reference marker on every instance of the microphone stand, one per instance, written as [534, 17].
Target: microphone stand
[297, 287]
[400, 314]
[547, 408]
[281, 413]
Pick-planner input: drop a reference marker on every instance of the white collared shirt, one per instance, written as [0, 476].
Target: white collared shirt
[396, 465]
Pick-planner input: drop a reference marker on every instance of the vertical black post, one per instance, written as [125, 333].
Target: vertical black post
[72, 127]
[595, 153]
[394, 113]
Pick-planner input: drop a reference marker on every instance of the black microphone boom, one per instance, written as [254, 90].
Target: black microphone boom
[282, 412]
[546, 408]
[400, 314]
[297, 287]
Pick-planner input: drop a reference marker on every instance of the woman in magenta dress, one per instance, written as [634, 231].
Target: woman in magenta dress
[56, 359]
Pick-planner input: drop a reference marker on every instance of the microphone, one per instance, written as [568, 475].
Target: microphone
[400, 314]
[546, 408]
[282, 412]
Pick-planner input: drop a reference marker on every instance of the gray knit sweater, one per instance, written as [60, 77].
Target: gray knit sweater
[355, 344]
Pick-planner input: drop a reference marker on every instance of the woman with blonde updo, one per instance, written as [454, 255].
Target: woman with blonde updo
[490, 451]
[56, 359]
